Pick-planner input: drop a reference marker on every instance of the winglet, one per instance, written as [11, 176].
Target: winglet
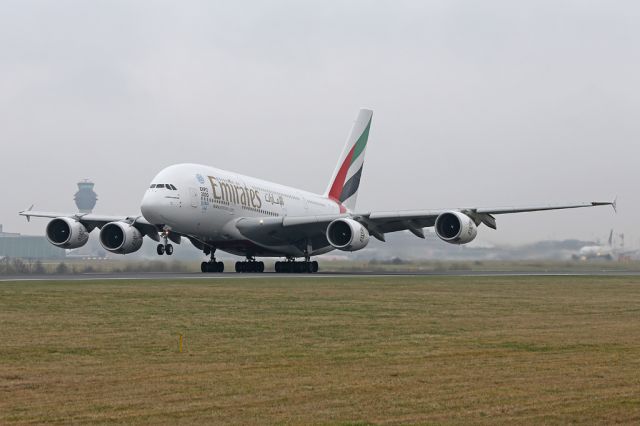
[613, 204]
[26, 214]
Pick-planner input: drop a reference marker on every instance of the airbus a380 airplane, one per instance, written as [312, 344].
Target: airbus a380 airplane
[219, 210]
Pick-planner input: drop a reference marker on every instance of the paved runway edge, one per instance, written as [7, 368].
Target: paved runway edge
[163, 276]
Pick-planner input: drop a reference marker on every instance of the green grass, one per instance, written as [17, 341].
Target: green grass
[322, 350]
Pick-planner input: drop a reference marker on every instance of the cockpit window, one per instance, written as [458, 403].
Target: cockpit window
[169, 186]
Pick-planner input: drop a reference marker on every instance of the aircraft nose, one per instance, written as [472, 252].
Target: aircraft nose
[150, 206]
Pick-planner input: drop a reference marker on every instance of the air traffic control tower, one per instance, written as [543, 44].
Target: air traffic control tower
[85, 198]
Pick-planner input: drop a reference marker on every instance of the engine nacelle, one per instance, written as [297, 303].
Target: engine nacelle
[120, 237]
[456, 228]
[67, 233]
[347, 235]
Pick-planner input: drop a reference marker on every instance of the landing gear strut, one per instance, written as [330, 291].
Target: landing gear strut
[250, 265]
[291, 266]
[211, 265]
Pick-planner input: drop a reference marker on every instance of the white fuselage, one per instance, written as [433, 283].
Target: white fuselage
[207, 202]
[594, 252]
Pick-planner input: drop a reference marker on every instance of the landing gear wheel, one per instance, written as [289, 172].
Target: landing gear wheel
[212, 267]
[160, 249]
[168, 249]
[286, 267]
[290, 266]
[250, 266]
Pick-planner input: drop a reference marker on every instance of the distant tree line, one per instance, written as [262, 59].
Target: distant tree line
[17, 266]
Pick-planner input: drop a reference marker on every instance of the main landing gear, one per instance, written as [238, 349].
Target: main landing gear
[291, 266]
[250, 265]
[211, 265]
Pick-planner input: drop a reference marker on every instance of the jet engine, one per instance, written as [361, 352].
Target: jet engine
[120, 237]
[347, 235]
[66, 232]
[456, 228]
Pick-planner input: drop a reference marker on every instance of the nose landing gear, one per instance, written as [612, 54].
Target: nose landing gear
[164, 247]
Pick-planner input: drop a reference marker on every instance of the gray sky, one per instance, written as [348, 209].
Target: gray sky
[475, 103]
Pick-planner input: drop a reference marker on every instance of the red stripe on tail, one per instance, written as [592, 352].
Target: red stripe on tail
[338, 183]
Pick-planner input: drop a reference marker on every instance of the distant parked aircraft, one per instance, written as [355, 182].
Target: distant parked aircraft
[608, 251]
[597, 251]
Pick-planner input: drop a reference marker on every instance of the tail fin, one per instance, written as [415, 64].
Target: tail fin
[611, 238]
[345, 181]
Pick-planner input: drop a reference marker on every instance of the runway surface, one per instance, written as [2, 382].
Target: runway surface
[234, 275]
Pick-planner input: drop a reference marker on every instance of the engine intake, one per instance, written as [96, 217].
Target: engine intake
[456, 228]
[67, 233]
[347, 235]
[120, 237]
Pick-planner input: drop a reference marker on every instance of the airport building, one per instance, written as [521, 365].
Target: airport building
[14, 245]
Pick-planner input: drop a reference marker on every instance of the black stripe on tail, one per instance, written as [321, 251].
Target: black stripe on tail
[351, 187]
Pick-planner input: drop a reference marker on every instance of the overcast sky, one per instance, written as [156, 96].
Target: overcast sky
[476, 103]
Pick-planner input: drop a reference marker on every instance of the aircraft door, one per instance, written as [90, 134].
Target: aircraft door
[195, 198]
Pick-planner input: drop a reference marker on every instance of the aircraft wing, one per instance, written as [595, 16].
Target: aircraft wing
[411, 220]
[92, 221]
[276, 230]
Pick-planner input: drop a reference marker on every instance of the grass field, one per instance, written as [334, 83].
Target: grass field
[322, 350]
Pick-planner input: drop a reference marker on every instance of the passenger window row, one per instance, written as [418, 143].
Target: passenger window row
[163, 185]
